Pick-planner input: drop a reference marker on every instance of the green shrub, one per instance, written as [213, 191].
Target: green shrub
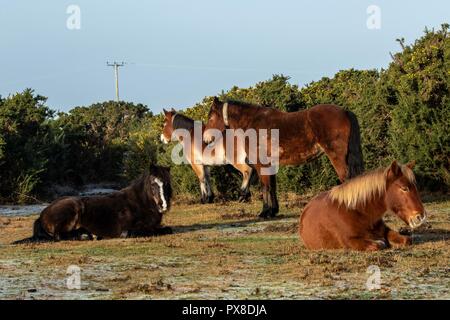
[403, 112]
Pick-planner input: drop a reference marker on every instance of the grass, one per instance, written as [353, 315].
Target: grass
[224, 251]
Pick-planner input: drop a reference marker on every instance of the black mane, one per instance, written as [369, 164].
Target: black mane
[182, 122]
[243, 103]
[141, 185]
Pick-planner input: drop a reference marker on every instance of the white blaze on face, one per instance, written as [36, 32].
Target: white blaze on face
[418, 220]
[161, 194]
[163, 139]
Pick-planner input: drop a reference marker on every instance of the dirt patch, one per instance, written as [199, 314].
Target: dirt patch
[241, 214]
[224, 252]
[283, 227]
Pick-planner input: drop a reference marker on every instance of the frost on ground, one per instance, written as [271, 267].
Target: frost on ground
[224, 251]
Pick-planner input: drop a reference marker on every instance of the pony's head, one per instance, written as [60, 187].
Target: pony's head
[166, 135]
[402, 196]
[215, 120]
[393, 187]
[159, 188]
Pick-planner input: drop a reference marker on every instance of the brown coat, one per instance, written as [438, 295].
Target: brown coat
[133, 211]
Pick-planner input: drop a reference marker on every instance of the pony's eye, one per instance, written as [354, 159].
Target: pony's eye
[404, 189]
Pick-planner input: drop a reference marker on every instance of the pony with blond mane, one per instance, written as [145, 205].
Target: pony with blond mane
[351, 215]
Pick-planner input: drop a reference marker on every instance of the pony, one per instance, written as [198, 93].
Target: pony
[134, 211]
[303, 136]
[174, 121]
[350, 215]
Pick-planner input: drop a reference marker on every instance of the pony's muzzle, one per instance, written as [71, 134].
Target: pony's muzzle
[163, 139]
[207, 137]
[418, 219]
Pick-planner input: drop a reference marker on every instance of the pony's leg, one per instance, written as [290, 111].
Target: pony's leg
[210, 194]
[246, 172]
[364, 244]
[200, 172]
[270, 202]
[393, 237]
[396, 239]
[77, 234]
[337, 152]
[266, 210]
[273, 195]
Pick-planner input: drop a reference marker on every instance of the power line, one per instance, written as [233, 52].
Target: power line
[116, 66]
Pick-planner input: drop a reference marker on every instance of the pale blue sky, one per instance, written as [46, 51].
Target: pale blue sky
[180, 51]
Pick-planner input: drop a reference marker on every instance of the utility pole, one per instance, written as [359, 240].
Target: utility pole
[116, 66]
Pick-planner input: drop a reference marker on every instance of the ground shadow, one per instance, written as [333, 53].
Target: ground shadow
[221, 225]
[431, 235]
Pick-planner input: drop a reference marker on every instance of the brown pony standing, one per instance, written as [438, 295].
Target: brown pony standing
[173, 121]
[350, 215]
[303, 136]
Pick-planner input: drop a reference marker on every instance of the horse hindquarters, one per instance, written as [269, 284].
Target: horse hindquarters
[61, 218]
[39, 234]
[317, 228]
[57, 221]
[309, 229]
[337, 133]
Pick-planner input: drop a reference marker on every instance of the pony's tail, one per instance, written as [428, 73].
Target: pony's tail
[39, 234]
[355, 164]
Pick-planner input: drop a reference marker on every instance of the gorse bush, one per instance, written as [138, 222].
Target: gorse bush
[25, 131]
[420, 118]
[403, 112]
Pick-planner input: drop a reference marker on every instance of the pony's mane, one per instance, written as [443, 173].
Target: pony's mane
[363, 188]
[243, 104]
[141, 186]
[180, 121]
[143, 181]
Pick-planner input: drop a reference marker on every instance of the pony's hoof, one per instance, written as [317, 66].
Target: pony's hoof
[272, 215]
[244, 197]
[376, 245]
[265, 214]
[407, 241]
[210, 199]
[165, 230]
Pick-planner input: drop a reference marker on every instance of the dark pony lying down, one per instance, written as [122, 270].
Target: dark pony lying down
[134, 211]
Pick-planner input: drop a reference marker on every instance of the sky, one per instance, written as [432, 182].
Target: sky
[179, 51]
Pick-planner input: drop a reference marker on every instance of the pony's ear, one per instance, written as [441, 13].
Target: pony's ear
[152, 169]
[394, 170]
[165, 111]
[216, 101]
[411, 164]
[173, 110]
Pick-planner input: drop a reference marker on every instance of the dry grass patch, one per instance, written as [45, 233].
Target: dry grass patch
[224, 251]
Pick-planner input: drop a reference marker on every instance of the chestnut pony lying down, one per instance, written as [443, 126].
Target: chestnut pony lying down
[136, 210]
[350, 215]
